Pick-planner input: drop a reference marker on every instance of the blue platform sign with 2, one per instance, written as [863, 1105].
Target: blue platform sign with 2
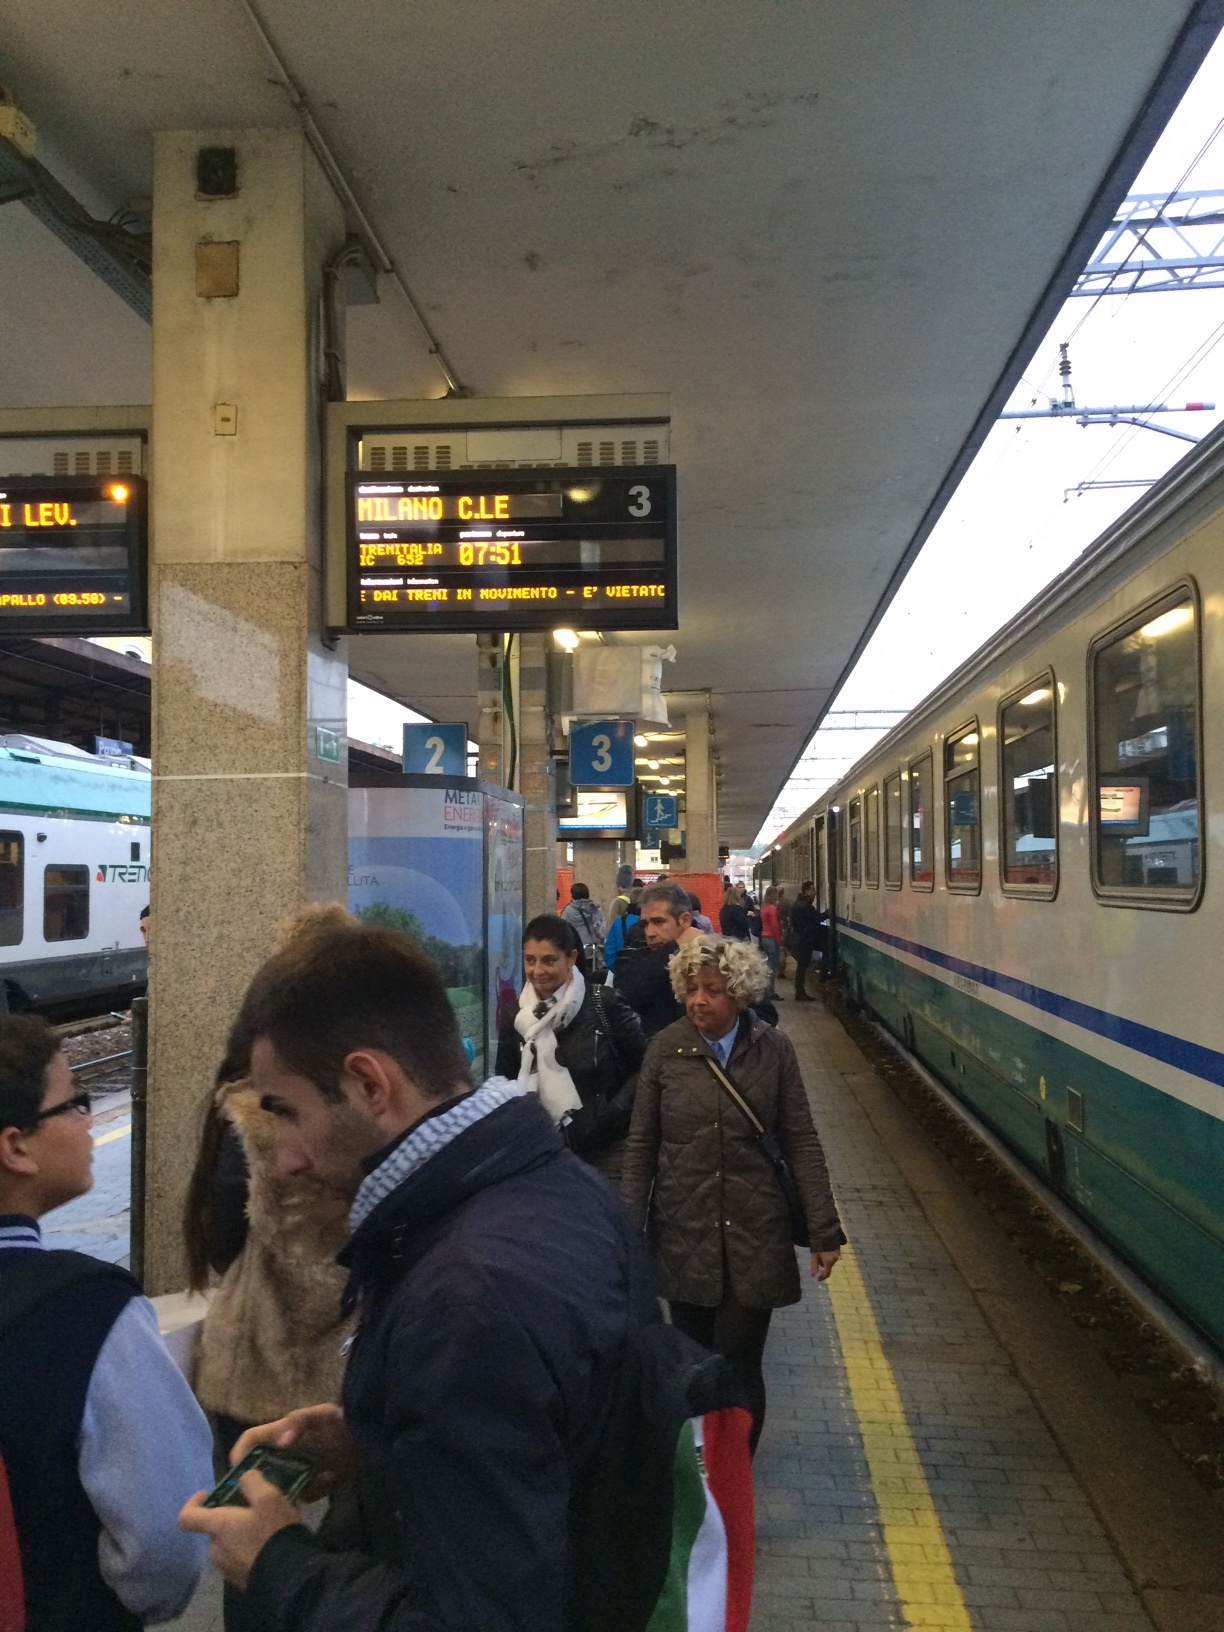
[601, 754]
[659, 810]
[435, 750]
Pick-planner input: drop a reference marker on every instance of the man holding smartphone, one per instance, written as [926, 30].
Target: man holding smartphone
[503, 1460]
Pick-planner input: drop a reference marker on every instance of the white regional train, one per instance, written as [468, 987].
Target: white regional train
[74, 876]
[1025, 880]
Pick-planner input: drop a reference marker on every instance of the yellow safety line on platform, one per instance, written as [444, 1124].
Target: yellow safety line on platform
[109, 1138]
[913, 1536]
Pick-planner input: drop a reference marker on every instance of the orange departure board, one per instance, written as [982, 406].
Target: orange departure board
[512, 549]
[73, 555]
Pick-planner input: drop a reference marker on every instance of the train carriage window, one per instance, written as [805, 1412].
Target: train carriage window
[1028, 789]
[963, 809]
[922, 829]
[1146, 813]
[840, 841]
[12, 888]
[855, 826]
[892, 831]
[65, 903]
[871, 839]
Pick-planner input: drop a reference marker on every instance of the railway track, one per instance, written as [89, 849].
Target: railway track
[100, 1053]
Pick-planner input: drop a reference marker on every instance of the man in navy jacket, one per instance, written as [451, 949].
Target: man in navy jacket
[491, 1467]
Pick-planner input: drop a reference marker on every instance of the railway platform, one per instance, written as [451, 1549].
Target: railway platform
[943, 1450]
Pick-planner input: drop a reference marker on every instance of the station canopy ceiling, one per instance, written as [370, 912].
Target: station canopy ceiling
[829, 231]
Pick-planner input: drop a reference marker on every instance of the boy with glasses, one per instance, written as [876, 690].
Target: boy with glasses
[100, 1437]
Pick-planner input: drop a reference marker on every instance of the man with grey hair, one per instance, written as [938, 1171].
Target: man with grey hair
[641, 968]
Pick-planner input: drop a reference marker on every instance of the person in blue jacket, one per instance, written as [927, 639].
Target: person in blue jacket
[622, 922]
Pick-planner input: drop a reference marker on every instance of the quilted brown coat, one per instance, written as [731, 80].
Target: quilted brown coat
[696, 1180]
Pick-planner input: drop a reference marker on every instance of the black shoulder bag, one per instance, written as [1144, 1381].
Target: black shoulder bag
[773, 1153]
[602, 1024]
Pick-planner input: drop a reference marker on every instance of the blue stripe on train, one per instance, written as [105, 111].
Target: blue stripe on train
[1157, 1045]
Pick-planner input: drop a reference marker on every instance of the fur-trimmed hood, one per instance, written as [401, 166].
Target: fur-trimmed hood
[274, 1335]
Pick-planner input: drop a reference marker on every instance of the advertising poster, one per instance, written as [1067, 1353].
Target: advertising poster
[416, 863]
[504, 905]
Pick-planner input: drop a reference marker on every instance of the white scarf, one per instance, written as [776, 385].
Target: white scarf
[540, 1073]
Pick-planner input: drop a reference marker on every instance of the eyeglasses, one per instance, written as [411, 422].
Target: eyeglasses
[79, 1102]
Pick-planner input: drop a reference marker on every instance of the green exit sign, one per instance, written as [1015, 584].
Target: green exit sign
[327, 745]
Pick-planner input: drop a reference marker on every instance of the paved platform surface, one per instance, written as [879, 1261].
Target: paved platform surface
[980, 1523]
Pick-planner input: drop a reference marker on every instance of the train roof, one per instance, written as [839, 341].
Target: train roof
[1181, 491]
[56, 779]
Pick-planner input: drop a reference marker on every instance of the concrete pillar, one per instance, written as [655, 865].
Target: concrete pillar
[536, 779]
[700, 798]
[595, 864]
[491, 729]
[249, 803]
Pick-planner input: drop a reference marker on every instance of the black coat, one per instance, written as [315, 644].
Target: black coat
[805, 925]
[507, 1466]
[734, 924]
[642, 980]
[602, 1049]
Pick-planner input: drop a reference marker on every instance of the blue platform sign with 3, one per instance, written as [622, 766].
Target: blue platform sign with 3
[601, 754]
[435, 750]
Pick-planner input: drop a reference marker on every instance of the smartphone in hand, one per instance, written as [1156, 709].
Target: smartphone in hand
[288, 1471]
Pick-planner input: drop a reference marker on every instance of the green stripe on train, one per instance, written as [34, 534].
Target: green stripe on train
[1145, 1171]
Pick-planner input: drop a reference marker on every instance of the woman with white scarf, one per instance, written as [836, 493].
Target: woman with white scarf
[576, 1044]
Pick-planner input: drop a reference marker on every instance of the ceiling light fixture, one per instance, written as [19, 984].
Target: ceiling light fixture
[566, 639]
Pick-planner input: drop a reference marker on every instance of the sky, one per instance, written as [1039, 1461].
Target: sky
[1011, 525]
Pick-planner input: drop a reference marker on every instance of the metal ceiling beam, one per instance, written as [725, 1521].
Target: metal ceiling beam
[121, 258]
[1158, 243]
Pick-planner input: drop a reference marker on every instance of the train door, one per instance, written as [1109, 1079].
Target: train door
[820, 873]
[830, 897]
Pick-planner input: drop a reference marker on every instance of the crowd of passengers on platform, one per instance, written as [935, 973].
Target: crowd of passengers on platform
[488, 1319]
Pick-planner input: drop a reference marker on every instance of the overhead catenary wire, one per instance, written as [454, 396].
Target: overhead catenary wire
[321, 148]
[1204, 149]
[1199, 355]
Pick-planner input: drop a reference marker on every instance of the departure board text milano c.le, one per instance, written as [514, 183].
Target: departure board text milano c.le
[512, 549]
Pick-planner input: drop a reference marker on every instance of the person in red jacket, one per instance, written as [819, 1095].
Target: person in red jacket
[771, 938]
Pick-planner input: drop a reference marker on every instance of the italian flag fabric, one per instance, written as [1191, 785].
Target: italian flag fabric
[709, 1579]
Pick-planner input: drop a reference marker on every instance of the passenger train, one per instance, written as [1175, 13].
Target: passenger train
[74, 876]
[1025, 884]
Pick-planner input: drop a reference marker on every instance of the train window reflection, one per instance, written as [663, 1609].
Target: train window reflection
[1028, 788]
[856, 841]
[922, 832]
[892, 830]
[963, 808]
[1146, 717]
[871, 839]
[12, 888]
[65, 903]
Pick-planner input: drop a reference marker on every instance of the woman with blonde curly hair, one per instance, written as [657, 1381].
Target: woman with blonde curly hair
[698, 1172]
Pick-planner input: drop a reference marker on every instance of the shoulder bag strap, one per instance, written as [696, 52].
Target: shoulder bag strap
[601, 1024]
[741, 1103]
[774, 1154]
